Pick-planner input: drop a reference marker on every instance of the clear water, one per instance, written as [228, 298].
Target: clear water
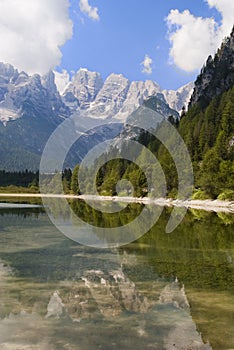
[164, 291]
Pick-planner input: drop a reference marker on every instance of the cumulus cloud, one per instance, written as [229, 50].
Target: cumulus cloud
[226, 8]
[91, 12]
[193, 38]
[147, 65]
[32, 33]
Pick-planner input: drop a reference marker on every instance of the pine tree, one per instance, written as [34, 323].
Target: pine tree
[74, 181]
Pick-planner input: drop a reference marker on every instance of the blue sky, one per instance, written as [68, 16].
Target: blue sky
[124, 34]
[127, 31]
[163, 40]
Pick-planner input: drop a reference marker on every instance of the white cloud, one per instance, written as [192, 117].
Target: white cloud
[226, 8]
[91, 12]
[147, 65]
[32, 33]
[193, 39]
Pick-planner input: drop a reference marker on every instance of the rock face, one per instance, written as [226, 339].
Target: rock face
[177, 99]
[83, 89]
[18, 92]
[110, 98]
[159, 105]
[86, 94]
[217, 76]
[117, 97]
[30, 109]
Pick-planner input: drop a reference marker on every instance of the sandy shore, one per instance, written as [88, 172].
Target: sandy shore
[209, 205]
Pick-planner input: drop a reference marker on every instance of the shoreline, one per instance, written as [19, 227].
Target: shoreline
[207, 204]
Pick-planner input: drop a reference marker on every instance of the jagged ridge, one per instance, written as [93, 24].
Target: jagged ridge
[217, 75]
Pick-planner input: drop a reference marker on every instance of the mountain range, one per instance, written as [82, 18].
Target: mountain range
[31, 107]
[117, 97]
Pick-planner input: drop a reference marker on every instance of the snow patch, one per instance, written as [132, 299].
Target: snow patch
[61, 80]
[7, 115]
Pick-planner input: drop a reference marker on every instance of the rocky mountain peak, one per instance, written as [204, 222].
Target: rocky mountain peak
[110, 98]
[48, 82]
[22, 79]
[7, 73]
[35, 79]
[116, 78]
[83, 89]
[217, 75]
[88, 78]
[115, 87]
[21, 94]
[152, 87]
[116, 97]
[177, 99]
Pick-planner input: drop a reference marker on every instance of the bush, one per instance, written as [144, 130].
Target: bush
[173, 194]
[200, 194]
[227, 195]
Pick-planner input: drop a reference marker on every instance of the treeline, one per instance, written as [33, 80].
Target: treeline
[209, 136]
[25, 178]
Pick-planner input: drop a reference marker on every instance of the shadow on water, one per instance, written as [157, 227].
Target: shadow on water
[163, 291]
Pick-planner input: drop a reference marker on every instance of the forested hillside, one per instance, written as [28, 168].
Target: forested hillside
[207, 129]
[209, 136]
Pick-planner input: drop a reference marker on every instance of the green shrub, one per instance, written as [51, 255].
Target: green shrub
[227, 195]
[200, 194]
[173, 194]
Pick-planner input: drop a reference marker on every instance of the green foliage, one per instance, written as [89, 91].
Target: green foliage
[200, 194]
[18, 189]
[227, 195]
[208, 134]
[74, 180]
[19, 178]
[66, 179]
[117, 169]
[55, 184]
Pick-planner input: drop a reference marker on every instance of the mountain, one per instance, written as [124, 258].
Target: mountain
[20, 93]
[116, 97]
[83, 89]
[177, 99]
[31, 107]
[217, 75]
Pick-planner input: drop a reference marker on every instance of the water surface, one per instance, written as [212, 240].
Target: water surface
[164, 291]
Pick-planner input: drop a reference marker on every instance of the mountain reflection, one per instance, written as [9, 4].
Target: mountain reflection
[161, 292]
[113, 297]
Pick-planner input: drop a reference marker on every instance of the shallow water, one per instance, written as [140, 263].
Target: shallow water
[164, 291]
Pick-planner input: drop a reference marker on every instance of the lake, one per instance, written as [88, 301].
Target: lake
[163, 291]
